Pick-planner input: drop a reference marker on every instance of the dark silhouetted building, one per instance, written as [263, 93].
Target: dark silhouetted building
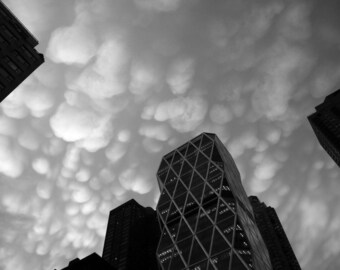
[18, 58]
[131, 238]
[206, 218]
[91, 262]
[326, 125]
[281, 253]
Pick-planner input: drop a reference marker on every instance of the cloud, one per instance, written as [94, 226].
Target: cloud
[135, 180]
[11, 159]
[158, 5]
[143, 78]
[115, 151]
[106, 77]
[72, 45]
[184, 113]
[73, 124]
[180, 75]
[220, 114]
[158, 132]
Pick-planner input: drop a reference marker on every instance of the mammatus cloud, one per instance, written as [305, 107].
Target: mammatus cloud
[183, 113]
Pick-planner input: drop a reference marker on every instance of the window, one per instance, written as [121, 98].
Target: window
[5, 74]
[7, 32]
[20, 59]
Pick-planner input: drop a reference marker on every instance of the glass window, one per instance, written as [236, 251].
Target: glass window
[180, 201]
[222, 259]
[184, 248]
[203, 222]
[186, 178]
[201, 159]
[236, 263]
[197, 192]
[163, 210]
[176, 261]
[171, 181]
[197, 253]
[191, 149]
[227, 228]
[164, 198]
[208, 195]
[218, 243]
[203, 169]
[184, 231]
[205, 238]
[223, 211]
[180, 188]
[192, 158]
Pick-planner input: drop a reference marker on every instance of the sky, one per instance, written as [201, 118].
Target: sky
[126, 81]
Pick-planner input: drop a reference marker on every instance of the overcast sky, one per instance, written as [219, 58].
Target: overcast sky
[124, 82]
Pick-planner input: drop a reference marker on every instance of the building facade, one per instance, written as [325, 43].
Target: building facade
[206, 218]
[131, 237]
[18, 58]
[91, 262]
[326, 125]
[281, 253]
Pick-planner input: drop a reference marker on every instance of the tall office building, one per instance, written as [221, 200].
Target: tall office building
[131, 237]
[281, 253]
[18, 58]
[91, 262]
[206, 218]
[326, 125]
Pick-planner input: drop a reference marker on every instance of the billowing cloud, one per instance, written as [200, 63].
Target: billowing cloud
[134, 180]
[75, 44]
[158, 132]
[220, 114]
[183, 113]
[180, 75]
[11, 159]
[73, 124]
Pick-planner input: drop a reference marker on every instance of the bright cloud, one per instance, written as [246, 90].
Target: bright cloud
[183, 113]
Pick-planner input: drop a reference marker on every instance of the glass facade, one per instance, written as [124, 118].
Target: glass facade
[18, 58]
[131, 237]
[205, 216]
[326, 125]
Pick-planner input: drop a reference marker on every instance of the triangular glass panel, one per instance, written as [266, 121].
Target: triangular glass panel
[211, 266]
[182, 150]
[162, 175]
[184, 248]
[224, 211]
[173, 228]
[208, 195]
[185, 168]
[192, 158]
[203, 221]
[218, 243]
[184, 231]
[177, 157]
[163, 165]
[191, 149]
[180, 188]
[177, 166]
[211, 209]
[173, 213]
[222, 260]
[191, 218]
[197, 193]
[201, 159]
[165, 241]
[199, 266]
[205, 238]
[197, 253]
[203, 169]
[236, 262]
[176, 261]
[205, 142]
[190, 205]
[163, 210]
[180, 201]
[197, 141]
[186, 178]
[170, 183]
[216, 182]
[168, 157]
[210, 135]
[165, 257]
[225, 190]
[214, 171]
[227, 228]
[216, 155]
[196, 180]
[207, 151]
[163, 198]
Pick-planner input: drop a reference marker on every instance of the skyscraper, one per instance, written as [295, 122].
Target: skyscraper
[281, 253]
[18, 58]
[206, 218]
[326, 125]
[91, 262]
[131, 237]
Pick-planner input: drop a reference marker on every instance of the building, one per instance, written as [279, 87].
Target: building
[131, 237]
[91, 262]
[206, 218]
[281, 253]
[326, 125]
[18, 58]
